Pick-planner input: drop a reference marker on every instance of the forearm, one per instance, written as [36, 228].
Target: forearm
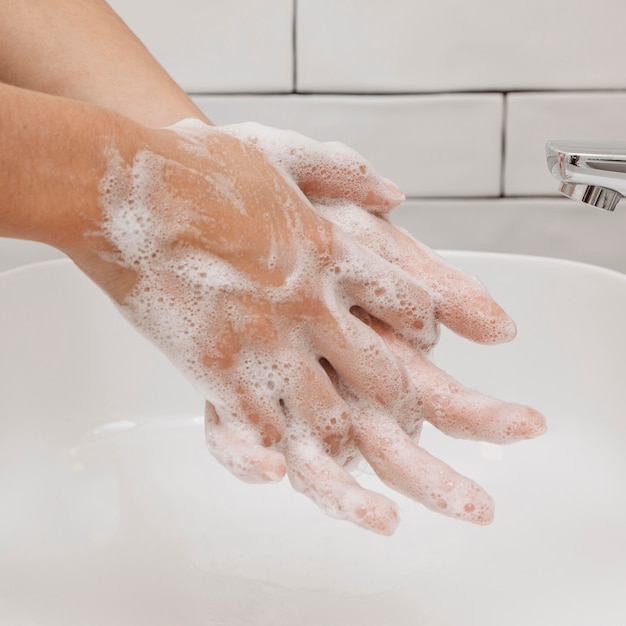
[81, 49]
[52, 158]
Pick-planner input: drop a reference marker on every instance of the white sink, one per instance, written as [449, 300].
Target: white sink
[112, 512]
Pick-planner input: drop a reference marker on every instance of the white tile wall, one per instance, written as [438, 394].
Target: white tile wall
[555, 227]
[217, 45]
[430, 146]
[419, 45]
[533, 118]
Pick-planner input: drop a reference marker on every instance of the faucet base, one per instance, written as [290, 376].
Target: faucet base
[599, 197]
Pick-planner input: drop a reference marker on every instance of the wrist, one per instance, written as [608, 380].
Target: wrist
[53, 155]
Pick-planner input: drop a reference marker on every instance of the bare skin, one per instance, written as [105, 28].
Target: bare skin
[81, 49]
[335, 404]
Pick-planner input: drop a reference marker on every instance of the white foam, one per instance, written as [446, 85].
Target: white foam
[240, 317]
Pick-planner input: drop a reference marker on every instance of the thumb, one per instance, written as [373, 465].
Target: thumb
[322, 170]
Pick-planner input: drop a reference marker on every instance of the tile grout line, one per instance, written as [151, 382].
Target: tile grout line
[377, 94]
[294, 47]
[503, 143]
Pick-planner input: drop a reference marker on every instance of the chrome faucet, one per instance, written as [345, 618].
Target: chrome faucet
[593, 172]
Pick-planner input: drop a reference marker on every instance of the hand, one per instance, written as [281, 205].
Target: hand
[341, 183]
[232, 273]
[205, 247]
[336, 179]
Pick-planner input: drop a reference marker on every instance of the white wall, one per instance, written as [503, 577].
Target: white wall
[452, 99]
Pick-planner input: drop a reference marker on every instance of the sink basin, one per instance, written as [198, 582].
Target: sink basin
[113, 512]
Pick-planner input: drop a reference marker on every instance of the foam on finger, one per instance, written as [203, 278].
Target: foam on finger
[335, 491]
[322, 169]
[459, 411]
[463, 303]
[409, 469]
[240, 453]
[248, 297]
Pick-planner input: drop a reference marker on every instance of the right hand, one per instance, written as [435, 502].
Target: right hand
[226, 267]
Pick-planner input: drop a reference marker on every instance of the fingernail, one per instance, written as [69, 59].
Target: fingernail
[393, 191]
[479, 509]
[274, 475]
[382, 519]
[537, 423]
[501, 325]
[509, 329]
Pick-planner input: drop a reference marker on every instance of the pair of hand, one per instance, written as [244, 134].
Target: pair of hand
[262, 263]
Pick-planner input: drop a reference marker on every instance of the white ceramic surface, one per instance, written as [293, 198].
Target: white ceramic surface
[113, 513]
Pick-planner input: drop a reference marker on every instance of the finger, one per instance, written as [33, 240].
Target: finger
[457, 410]
[462, 302]
[257, 397]
[336, 171]
[313, 397]
[410, 470]
[325, 170]
[394, 298]
[467, 414]
[362, 359]
[241, 452]
[313, 473]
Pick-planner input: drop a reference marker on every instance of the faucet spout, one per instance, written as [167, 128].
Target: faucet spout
[599, 197]
[590, 172]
